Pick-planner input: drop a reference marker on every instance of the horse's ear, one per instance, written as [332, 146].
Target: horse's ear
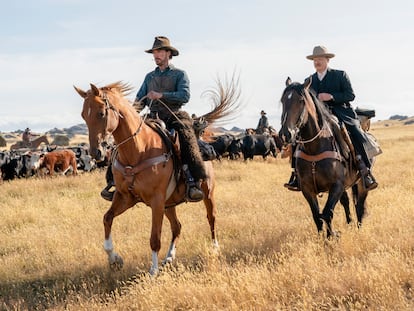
[95, 90]
[307, 82]
[80, 92]
[288, 81]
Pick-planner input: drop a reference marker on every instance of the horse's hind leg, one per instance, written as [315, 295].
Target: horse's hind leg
[345, 203]
[360, 195]
[209, 201]
[175, 224]
[211, 216]
[115, 261]
[211, 209]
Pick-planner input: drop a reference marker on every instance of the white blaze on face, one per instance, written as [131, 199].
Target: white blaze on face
[290, 95]
[89, 111]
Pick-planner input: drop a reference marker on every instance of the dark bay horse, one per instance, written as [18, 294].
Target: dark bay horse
[32, 144]
[322, 162]
[145, 169]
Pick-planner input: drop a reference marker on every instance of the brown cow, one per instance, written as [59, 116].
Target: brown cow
[59, 161]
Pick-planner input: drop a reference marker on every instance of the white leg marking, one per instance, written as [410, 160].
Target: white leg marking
[170, 254]
[154, 268]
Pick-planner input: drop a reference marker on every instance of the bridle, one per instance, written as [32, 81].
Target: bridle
[118, 116]
[301, 121]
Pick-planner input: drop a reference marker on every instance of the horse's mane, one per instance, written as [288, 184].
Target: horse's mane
[121, 87]
[320, 106]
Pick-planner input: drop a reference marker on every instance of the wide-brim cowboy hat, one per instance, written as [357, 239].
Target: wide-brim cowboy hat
[163, 43]
[320, 51]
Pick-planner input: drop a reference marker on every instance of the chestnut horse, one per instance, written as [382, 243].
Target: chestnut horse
[321, 164]
[32, 144]
[146, 170]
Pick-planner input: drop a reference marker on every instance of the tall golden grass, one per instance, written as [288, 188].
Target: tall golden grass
[271, 257]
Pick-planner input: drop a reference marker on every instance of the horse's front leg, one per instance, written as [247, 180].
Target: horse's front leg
[335, 194]
[157, 207]
[314, 206]
[117, 208]
[175, 224]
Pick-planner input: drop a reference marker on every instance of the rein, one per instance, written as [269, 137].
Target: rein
[165, 106]
[313, 138]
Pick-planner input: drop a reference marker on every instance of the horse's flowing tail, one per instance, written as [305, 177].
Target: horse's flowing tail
[190, 152]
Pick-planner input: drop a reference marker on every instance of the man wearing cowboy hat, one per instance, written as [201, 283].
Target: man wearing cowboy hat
[333, 87]
[165, 90]
[263, 124]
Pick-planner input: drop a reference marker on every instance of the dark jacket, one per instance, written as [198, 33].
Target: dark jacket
[337, 83]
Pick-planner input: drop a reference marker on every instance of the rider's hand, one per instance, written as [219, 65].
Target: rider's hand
[154, 95]
[325, 97]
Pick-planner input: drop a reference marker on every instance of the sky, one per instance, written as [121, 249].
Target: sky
[47, 46]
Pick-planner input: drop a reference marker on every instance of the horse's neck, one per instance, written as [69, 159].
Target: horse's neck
[128, 125]
[317, 142]
[131, 137]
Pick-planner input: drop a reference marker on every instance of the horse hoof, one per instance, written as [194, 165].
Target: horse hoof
[116, 263]
[167, 261]
[153, 271]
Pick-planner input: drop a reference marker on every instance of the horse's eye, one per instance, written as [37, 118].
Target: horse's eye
[101, 114]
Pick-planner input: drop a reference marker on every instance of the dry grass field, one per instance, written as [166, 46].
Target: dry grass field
[270, 258]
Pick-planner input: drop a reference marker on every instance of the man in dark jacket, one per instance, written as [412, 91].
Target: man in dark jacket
[333, 87]
[263, 124]
[165, 90]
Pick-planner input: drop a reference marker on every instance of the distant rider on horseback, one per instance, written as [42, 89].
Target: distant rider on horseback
[27, 137]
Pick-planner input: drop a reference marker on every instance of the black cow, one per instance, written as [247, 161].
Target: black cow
[254, 144]
[221, 144]
[13, 168]
[235, 149]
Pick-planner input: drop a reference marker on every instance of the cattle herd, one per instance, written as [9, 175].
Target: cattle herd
[247, 145]
[25, 163]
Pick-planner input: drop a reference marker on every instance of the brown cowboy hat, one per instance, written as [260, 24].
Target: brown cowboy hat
[161, 42]
[320, 51]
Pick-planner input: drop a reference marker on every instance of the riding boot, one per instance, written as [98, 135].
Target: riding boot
[105, 193]
[368, 179]
[193, 191]
[293, 183]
